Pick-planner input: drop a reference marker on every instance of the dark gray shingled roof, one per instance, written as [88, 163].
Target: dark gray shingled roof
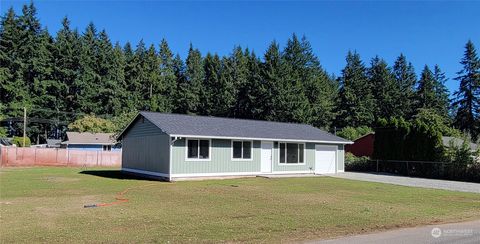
[192, 125]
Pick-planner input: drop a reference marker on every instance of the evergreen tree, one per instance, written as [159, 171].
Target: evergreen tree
[238, 64]
[211, 85]
[167, 76]
[426, 96]
[67, 64]
[268, 107]
[138, 85]
[179, 71]
[442, 102]
[13, 90]
[356, 106]
[467, 97]
[384, 88]
[406, 79]
[319, 89]
[88, 81]
[190, 88]
[154, 100]
[130, 74]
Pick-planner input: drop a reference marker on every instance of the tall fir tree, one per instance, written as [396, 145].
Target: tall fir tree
[190, 88]
[272, 82]
[431, 92]
[130, 73]
[67, 64]
[212, 66]
[88, 82]
[406, 80]
[14, 94]
[467, 97]
[167, 76]
[319, 89]
[385, 89]
[238, 63]
[442, 102]
[356, 106]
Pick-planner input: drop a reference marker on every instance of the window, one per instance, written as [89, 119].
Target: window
[241, 149]
[198, 149]
[291, 153]
[107, 148]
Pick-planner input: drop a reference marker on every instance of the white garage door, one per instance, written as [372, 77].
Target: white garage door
[325, 159]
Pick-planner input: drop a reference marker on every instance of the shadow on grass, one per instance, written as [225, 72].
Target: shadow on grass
[116, 174]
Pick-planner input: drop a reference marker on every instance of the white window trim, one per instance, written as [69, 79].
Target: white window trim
[241, 159]
[290, 164]
[198, 159]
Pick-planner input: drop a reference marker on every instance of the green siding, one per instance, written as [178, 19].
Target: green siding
[143, 127]
[309, 160]
[146, 147]
[220, 159]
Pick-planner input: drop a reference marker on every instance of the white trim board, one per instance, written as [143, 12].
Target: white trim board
[214, 174]
[239, 174]
[261, 139]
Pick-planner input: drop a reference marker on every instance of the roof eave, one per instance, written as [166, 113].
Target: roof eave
[262, 139]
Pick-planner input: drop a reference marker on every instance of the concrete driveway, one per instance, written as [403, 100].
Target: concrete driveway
[411, 181]
[466, 232]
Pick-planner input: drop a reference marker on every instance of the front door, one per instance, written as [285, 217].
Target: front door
[267, 153]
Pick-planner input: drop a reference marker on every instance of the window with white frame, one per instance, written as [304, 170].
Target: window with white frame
[291, 153]
[198, 149]
[241, 149]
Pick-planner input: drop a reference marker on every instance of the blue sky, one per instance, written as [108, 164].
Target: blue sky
[431, 32]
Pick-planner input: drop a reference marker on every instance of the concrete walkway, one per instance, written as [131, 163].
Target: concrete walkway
[466, 232]
[411, 181]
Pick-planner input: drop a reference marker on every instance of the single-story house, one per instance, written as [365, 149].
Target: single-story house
[91, 141]
[174, 146]
[362, 146]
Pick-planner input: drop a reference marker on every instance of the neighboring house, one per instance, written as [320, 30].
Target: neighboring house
[174, 146]
[362, 146]
[54, 143]
[91, 141]
[457, 142]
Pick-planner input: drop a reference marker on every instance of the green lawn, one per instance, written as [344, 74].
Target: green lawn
[46, 205]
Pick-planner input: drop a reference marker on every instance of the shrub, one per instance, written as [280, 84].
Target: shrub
[92, 124]
[353, 163]
[18, 140]
[353, 133]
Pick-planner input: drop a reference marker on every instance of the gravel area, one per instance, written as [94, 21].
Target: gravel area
[411, 181]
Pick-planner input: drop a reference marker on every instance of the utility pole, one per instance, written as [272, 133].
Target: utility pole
[24, 124]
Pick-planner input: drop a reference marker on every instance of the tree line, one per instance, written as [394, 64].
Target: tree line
[83, 72]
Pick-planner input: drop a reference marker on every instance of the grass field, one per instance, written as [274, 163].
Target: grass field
[46, 205]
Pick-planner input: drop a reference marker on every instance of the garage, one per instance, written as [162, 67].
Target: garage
[325, 159]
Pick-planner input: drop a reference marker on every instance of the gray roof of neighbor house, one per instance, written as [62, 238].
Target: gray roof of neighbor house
[216, 127]
[457, 142]
[90, 138]
[52, 143]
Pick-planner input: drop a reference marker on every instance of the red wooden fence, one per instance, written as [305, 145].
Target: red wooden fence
[30, 156]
